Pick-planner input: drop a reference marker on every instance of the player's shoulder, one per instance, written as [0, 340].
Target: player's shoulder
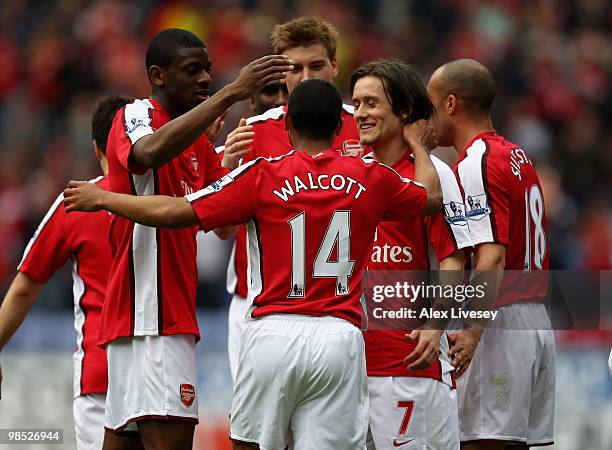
[443, 169]
[271, 115]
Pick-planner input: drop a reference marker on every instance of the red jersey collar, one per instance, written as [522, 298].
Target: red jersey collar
[490, 133]
[159, 107]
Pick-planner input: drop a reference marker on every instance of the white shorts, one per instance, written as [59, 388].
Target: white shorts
[412, 413]
[88, 413]
[508, 391]
[151, 377]
[236, 321]
[303, 373]
[610, 363]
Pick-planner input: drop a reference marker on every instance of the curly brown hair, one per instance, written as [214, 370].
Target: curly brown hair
[303, 32]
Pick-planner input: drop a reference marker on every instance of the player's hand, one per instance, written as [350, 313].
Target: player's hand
[83, 196]
[215, 128]
[426, 350]
[420, 134]
[260, 72]
[237, 144]
[462, 347]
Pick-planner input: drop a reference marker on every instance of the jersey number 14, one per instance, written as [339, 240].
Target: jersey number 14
[338, 235]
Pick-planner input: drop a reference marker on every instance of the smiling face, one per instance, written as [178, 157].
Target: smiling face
[309, 62]
[376, 122]
[186, 82]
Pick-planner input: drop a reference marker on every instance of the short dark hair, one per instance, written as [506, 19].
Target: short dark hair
[471, 82]
[102, 118]
[314, 108]
[163, 47]
[403, 87]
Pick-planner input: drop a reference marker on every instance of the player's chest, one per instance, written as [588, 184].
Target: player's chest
[185, 174]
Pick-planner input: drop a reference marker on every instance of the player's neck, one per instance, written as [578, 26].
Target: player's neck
[469, 130]
[312, 147]
[160, 98]
[389, 153]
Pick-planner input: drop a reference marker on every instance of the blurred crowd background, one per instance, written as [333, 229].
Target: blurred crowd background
[552, 61]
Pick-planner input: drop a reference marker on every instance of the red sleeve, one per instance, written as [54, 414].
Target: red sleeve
[406, 198]
[440, 236]
[49, 248]
[229, 201]
[214, 171]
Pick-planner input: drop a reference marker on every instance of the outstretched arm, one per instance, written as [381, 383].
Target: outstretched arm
[15, 307]
[156, 149]
[157, 211]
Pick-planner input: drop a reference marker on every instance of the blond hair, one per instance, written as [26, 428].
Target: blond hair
[304, 32]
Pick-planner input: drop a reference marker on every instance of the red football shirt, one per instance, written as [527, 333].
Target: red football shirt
[271, 139]
[504, 204]
[83, 238]
[153, 279]
[310, 225]
[405, 246]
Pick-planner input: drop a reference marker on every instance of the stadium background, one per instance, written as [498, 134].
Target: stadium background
[552, 61]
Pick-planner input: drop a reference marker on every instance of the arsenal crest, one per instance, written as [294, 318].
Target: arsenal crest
[352, 147]
[187, 394]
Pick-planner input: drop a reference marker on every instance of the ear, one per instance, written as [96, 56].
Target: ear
[451, 104]
[157, 76]
[96, 149]
[287, 123]
[338, 130]
[334, 65]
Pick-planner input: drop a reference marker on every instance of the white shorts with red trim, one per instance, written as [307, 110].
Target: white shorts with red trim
[151, 377]
[88, 411]
[412, 414]
[508, 391]
[236, 320]
[302, 373]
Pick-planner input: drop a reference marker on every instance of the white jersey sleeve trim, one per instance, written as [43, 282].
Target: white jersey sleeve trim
[349, 109]
[137, 119]
[477, 209]
[271, 114]
[56, 204]
[454, 208]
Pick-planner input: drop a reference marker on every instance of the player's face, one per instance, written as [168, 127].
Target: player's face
[376, 122]
[439, 120]
[270, 96]
[187, 80]
[309, 62]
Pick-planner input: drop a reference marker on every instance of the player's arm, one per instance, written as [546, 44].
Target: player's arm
[421, 138]
[428, 336]
[155, 149]
[157, 211]
[15, 307]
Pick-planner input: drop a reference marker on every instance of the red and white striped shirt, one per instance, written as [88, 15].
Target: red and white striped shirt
[504, 205]
[153, 279]
[83, 238]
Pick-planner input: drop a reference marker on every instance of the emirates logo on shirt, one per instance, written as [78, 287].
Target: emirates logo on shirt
[187, 394]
